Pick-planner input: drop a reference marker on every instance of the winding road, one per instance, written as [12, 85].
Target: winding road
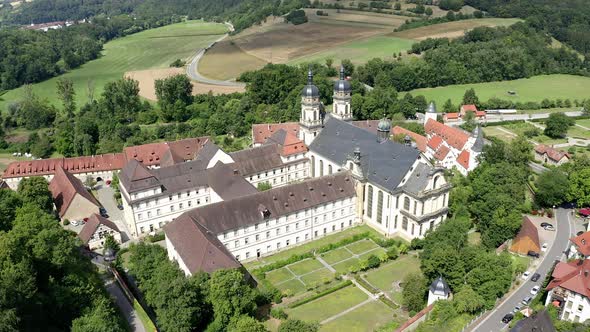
[564, 230]
[192, 70]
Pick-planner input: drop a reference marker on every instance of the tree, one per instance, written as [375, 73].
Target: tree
[120, 99]
[67, 95]
[470, 98]
[10, 201]
[348, 67]
[414, 291]
[519, 152]
[428, 11]
[42, 147]
[557, 125]
[448, 107]
[295, 325]
[35, 191]
[469, 122]
[174, 95]
[263, 186]
[551, 188]
[397, 6]
[110, 243]
[230, 296]
[466, 300]
[245, 323]
[579, 187]
[329, 62]
[101, 318]
[503, 226]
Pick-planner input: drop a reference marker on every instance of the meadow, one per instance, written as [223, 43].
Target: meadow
[533, 89]
[155, 48]
[452, 29]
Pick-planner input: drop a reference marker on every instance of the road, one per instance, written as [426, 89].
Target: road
[192, 70]
[124, 306]
[564, 230]
[105, 197]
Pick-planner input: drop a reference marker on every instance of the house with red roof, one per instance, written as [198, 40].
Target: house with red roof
[548, 155]
[96, 230]
[451, 147]
[527, 238]
[457, 116]
[580, 248]
[569, 290]
[72, 200]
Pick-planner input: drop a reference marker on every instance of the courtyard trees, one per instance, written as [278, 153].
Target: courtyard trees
[557, 125]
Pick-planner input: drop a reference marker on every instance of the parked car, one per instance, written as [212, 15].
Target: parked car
[535, 277]
[544, 247]
[517, 308]
[75, 223]
[120, 207]
[545, 224]
[535, 290]
[526, 275]
[533, 254]
[527, 300]
[103, 212]
[549, 228]
[507, 318]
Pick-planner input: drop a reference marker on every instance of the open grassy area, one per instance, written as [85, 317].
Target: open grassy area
[329, 305]
[578, 132]
[521, 128]
[336, 255]
[362, 246]
[155, 48]
[143, 316]
[361, 51]
[332, 238]
[305, 266]
[387, 276]
[533, 89]
[367, 318]
[584, 122]
[452, 29]
[474, 238]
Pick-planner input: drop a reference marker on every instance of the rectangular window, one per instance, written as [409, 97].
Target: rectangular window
[236, 243]
[224, 235]
[297, 239]
[267, 235]
[188, 193]
[306, 236]
[287, 243]
[333, 214]
[180, 206]
[580, 307]
[296, 225]
[407, 203]
[149, 214]
[171, 208]
[198, 201]
[235, 233]
[158, 212]
[247, 254]
[278, 231]
[256, 227]
[370, 202]
[190, 203]
[380, 207]
[287, 228]
[141, 229]
[246, 240]
[257, 237]
[178, 195]
[415, 206]
[139, 216]
[333, 228]
[169, 198]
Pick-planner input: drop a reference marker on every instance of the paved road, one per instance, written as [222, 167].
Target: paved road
[192, 70]
[536, 168]
[125, 307]
[564, 230]
[105, 197]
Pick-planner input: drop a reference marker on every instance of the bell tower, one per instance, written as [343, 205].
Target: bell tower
[312, 111]
[342, 97]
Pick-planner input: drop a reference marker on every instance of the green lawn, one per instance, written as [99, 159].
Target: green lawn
[305, 266]
[474, 238]
[329, 305]
[279, 275]
[367, 318]
[332, 238]
[385, 276]
[317, 277]
[362, 246]
[578, 132]
[342, 267]
[516, 259]
[361, 51]
[521, 127]
[155, 48]
[376, 251]
[584, 122]
[336, 255]
[495, 132]
[293, 286]
[535, 89]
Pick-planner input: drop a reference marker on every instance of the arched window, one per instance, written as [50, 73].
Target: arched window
[370, 202]
[321, 167]
[329, 169]
[406, 203]
[405, 223]
[380, 207]
[313, 166]
[435, 182]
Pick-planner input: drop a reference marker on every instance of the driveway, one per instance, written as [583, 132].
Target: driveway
[106, 198]
[493, 321]
[124, 306]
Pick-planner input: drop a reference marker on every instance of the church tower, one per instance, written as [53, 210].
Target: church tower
[312, 111]
[342, 97]
[430, 113]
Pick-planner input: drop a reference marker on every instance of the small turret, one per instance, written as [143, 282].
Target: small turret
[383, 130]
[430, 113]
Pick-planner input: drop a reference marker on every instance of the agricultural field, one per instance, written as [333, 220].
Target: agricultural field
[155, 48]
[533, 89]
[452, 29]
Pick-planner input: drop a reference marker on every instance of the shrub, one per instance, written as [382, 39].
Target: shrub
[388, 302]
[392, 253]
[278, 313]
[318, 295]
[354, 268]
[383, 257]
[373, 262]
[366, 285]
[178, 63]
[403, 249]
[66, 222]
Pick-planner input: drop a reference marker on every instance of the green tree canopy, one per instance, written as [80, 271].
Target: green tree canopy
[174, 95]
[35, 191]
[551, 188]
[296, 325]
[557, 125]
[414, 292]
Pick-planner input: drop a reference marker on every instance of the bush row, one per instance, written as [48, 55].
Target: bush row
[388, 302]
[366, 285]
[318, 295]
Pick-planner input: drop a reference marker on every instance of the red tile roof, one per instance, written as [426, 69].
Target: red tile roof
[442, 152]
[288, 143]
[468, 108]
[261, 132]
[582, 241]
[453, 136]
[552, 153]
[419, 139]
[151, 154]
[463, 159]
[92, 224]
[98, 163]
[480, 114]
[452, 116]
[64, 187]
[434, 142]
[573, 276]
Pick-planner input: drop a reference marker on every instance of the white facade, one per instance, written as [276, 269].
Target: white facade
[175, 257]
[576, 307]
[274, 234]
[99, 236]
[82, 176]
[295, 169]
[433, 297]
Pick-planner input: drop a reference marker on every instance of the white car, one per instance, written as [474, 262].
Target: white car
[535, 290]
[544, 247]
[525, 275]
[75, 223]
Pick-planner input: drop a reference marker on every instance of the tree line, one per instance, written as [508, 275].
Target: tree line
[46, 283]
[482, 55]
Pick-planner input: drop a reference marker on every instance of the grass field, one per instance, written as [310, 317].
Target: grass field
[579, 132]
[521, 128]
[584, 122]
[329, 305]
[533, 89]
[367, 318]
[155, 48]
[361, 51]
[387, 275]
[452, 29]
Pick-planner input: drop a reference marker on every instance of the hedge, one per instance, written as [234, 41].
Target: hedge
[388, 302]
[366, 284]
[282, 263]
[318, 295]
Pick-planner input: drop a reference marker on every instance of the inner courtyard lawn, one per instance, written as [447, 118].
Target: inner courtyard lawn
[367, 318]
[385, 276]
[329, 305]
[336, 255]
[362, 246]
[305, 266]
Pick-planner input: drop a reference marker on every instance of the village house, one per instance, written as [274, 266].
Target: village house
[551, 156]
[569, 291]
[96, 230]
[580, 246]
[72, 200]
